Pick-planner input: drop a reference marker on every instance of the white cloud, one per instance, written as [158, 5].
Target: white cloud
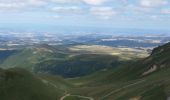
[97, 8]
[153, 3]
[37, 2]
[67, 10]
[11, 5]
[165, 11]
[20, 4]
[103, 12]
[89, 2]
[138, 9]
[67, 1]
[95, 2]
[146, 6]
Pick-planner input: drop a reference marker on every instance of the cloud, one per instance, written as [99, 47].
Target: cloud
[103, 12]
[137, 9]
[103, 9]
[146, 6]
[165, 11]
[68, 10]
[153, 3]
[95, 2]
[67, 1]
[4, 6]
[89, 2]
[37, 2]
[20, 4]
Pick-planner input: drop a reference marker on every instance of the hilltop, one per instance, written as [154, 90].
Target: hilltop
[70, 60]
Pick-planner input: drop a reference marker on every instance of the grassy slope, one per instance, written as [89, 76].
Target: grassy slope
[123, 83]
[127, 82]
[28, 57]
[18, 84]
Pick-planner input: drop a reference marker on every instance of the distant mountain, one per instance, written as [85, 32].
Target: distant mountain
[17, 40]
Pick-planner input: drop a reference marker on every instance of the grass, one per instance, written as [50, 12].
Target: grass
[122, 83]
[152, 88]
[18, 84]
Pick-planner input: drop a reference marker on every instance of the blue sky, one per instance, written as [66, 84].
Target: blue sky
[140, 14]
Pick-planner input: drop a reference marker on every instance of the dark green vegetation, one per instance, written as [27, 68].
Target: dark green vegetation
[60, 61]
[4, 54]
[77, 66]
[18, 84]
[144, 79]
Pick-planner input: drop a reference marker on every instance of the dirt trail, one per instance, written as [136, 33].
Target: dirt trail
[121, 89]
[62, 98]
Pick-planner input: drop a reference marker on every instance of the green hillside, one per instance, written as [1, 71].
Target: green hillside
[142, 79]
[147, 79]
[28, 57]
[19, 84]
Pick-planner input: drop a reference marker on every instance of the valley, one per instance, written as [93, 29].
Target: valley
[71, 61]
[84, 72]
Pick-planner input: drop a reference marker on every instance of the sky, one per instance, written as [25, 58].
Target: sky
[137, 14]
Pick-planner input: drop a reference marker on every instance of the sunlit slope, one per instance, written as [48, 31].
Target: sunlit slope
[123, 53]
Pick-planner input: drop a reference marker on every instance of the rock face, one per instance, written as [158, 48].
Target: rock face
[158, 60]
[151, 70]
[168, 98]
